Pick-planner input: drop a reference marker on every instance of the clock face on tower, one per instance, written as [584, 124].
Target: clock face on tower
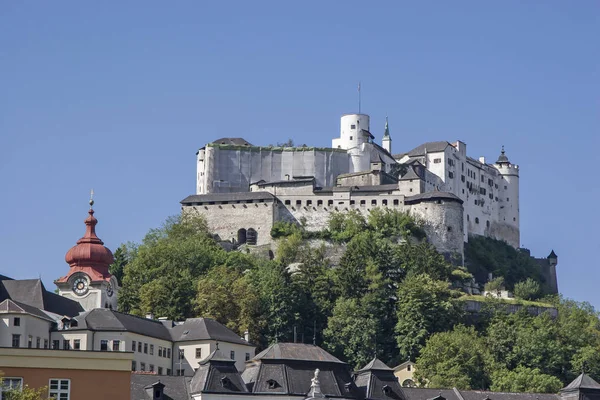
[109, 290]
[80, 286]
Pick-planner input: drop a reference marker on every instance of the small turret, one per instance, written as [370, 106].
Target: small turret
[502, 159]
[386, 142]
[553, 258]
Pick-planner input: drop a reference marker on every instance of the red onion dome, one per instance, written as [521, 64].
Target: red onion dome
[90, 250]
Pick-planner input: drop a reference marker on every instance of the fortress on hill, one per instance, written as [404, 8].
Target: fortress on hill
[243, 189]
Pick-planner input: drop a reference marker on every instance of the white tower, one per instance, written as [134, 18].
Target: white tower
[508, 196]
[386, 142]
[354, 131]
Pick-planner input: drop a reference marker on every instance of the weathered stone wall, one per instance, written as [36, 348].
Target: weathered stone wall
[503, 231]
[226, 220]
[443, 223]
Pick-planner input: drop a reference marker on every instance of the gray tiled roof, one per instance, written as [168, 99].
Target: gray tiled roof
[430, 147]
[481, 395]
[204, 329]
[176, 387]
[239, 196]
[296, 351]
[429, 196]
[410, 174]
[375, 364]
[104, 319]
[15, 306]
[33, 293]
[217, 373]
[233, 141]
[583, 381]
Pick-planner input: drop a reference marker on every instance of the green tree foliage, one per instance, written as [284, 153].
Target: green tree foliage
[122, 256]
[485, 255]
[495, 285]
[160, 277]
[456, 358]
[351, 332]
[394, 223]
[24, 393]
[424, 306]
[523, 379]
[527, 289]
[344, 226]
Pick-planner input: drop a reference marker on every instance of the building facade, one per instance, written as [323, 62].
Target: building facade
[306, 184]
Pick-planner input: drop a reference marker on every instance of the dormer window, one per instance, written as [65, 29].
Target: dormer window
[387, 390]
[272, 384]
[225, 382]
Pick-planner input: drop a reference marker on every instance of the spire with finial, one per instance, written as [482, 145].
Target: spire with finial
[386, 142]
[91, 198]
[502, 159]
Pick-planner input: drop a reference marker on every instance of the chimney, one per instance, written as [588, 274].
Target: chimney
[247, 336]
[482, 160]
[149, 316]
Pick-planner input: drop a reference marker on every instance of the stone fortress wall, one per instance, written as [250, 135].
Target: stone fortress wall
[301, 203]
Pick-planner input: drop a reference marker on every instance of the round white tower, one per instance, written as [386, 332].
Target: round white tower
[352, 131]
[508, 194]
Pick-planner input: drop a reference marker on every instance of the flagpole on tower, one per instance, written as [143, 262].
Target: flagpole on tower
[359, 97]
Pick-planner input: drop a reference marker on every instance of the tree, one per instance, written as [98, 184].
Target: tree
[523, 379]
[424, 306]
[344, 226]
[122, 256]
[495, 285]
[457, 358]
[24, 393]
[160, 277]
[351, 332]
[527, 289]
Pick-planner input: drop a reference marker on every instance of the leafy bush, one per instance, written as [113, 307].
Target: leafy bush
[394, 223]
[284, 229]
[495, 285]
[527, 289]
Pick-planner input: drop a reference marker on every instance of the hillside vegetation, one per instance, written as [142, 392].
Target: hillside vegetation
[390, 295]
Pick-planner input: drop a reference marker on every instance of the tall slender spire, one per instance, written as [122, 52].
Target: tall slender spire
[387, 128]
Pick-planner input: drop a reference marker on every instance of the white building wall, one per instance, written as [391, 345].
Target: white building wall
[30, 326]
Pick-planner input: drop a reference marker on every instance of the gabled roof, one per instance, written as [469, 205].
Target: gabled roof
[296, 351]
[429, 147]
[10, 306]
[104, 319]
[375, 364]
[583, 381]
[410, 175]
[205, 329]
[33, 293]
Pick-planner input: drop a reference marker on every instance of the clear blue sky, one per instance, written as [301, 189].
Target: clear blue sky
[118, 96]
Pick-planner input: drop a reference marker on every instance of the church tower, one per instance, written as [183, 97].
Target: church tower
[386, 142]
[88, 281]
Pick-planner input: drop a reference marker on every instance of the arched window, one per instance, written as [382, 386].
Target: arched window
[408, 383]
[252, 237]
[241, 236]
[476, 220]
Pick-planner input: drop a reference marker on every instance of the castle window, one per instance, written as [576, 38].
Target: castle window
[396, 202]
[476, 220]
[487, 223]
[287, 202]
[462, 178]
[468, 217]
[241, 236]
[505, 187]
[449, 230]
[437, 160]
[450, 175]
[308, 202]
[384, 202]
[319, 202]
[298, 202]
[340, 202]
[507, 199]
[514, 218]
[350, 137]
[352, 202]
[352, 127]
[373, 202]
[329, 202]
[252, 237]
[363, 202]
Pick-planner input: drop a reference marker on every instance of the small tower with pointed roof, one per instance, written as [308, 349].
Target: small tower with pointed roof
[386, 142]
[508, 196]
[88, 280]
